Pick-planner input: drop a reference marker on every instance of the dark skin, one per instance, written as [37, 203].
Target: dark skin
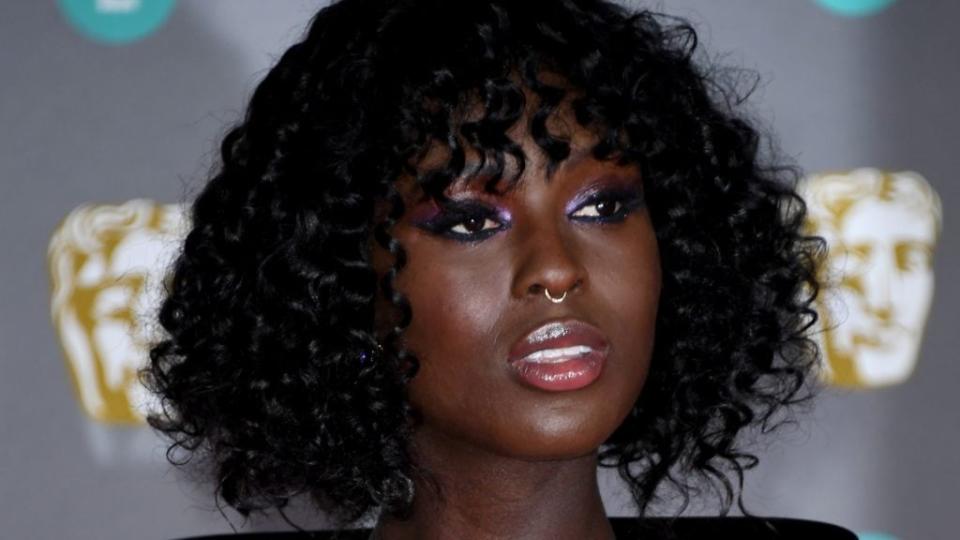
[511, 461]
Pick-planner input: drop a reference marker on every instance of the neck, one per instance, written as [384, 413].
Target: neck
[472, 494]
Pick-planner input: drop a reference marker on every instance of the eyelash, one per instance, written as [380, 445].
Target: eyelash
[627, 201]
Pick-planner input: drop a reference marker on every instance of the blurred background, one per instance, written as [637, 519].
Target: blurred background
[109, 101]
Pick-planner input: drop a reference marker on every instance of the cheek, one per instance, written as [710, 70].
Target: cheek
[626, 276]
[456, 306]
[626, 271]
[451, 303]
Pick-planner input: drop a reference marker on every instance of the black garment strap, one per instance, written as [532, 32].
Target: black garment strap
[686, 528]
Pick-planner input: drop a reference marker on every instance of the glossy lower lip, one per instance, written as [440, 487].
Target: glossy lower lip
[569, 374]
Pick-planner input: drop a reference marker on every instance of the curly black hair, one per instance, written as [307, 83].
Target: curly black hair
[265, 368]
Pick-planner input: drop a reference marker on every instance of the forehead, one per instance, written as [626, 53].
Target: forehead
[881, 219]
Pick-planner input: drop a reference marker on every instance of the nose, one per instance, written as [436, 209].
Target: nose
[879, 280]
[548, 260]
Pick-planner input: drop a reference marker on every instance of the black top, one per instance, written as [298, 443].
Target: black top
[688, 528]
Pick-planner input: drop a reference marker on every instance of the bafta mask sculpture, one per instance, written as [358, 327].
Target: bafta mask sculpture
[882, 229]
[106, 267]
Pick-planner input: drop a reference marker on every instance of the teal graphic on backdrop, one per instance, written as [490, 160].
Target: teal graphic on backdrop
[116, 21]
[855, 8]
[875, 536]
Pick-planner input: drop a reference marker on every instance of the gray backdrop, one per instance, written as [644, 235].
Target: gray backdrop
[82, 122]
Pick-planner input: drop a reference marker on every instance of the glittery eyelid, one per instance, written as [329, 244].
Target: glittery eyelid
[456, 212]
[629, 196]
[473, 208]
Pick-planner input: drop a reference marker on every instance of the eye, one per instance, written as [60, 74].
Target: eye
[912, 256]
[609, 206]
[602, 208]
[465, 221]
[474, 225]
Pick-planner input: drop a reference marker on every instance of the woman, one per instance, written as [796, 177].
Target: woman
[459, 254]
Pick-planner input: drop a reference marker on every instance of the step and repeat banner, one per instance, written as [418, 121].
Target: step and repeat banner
[111, 118]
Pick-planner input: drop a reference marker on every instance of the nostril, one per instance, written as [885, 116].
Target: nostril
[537, 289]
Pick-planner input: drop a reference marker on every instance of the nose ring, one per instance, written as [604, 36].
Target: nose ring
[546, 291]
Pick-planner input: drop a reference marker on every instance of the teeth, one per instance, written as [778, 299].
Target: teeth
[555, 356]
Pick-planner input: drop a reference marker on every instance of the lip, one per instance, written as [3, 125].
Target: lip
[572, 354]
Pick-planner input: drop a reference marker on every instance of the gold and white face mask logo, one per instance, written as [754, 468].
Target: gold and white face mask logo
[107, 263]
[882, 229]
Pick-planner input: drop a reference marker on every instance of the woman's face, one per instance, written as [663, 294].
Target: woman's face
[476, 281]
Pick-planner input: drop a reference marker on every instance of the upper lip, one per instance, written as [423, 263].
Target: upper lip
[557, 334]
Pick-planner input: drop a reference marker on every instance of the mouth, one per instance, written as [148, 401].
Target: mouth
[560, 355]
